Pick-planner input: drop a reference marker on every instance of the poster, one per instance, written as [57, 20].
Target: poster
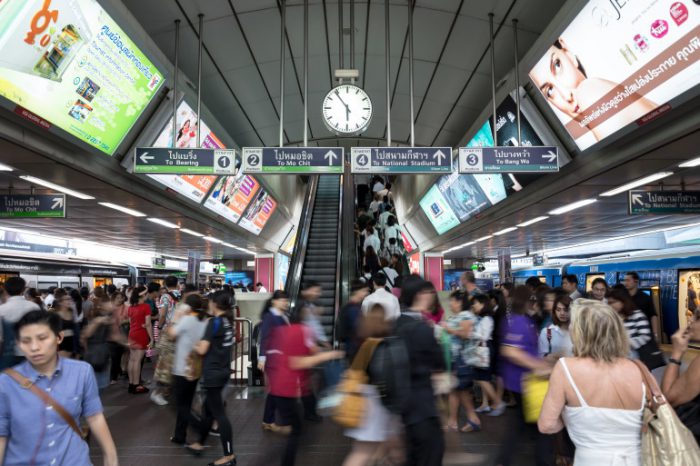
[463, 195]
[193, 187]
[68, 62]
[688, 295]
[259, 212]
[414, 263]
[231, 195]
[281, 270]
[290, 241]
[618, 62]
[440, 214]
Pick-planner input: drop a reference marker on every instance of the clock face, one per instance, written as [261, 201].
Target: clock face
[347, 110]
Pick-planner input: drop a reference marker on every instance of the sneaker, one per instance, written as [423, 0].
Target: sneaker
[283, 430]
[215, 432]
[158, 399]
[498, 410]
[483, 409]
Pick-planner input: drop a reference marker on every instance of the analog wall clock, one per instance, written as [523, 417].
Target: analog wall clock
[347, 110]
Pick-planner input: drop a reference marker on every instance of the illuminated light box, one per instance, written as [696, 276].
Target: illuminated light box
[231, 195]
[70, 64]
[618, 62]
[259, 212]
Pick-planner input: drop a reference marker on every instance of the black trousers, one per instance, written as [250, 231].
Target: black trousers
[425, 443]
[289, 410]
[270, 409]
[184, 391]
[214, 409]
[115, 354]
[544, 446]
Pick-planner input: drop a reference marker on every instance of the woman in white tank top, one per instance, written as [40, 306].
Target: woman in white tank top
[598, 394]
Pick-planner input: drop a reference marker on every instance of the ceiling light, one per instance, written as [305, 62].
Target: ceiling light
[572, 206]
[635, 184]
[5, 168]
[56, 187]
[191, 232]
[211, 239]
[690, 163]
[126, 210]
[237, 247]
[483, 238]
[506, 230]
[163, 222]
[534, 220]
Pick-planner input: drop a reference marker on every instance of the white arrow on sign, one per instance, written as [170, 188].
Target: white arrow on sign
[439, 155]
[145, 157]
[330, 155]
[637, 199]
[550, 156]
[57, 203]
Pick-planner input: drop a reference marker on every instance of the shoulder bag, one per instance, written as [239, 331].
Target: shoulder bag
[665, 440]
[48, 401]
[352, 405]
[650, 354]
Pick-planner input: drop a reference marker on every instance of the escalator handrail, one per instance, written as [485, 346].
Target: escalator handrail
[338, 260]
[293, 284]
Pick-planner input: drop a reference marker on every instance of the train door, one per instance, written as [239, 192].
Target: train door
[589, 280]
[556, 281]
[5, 275]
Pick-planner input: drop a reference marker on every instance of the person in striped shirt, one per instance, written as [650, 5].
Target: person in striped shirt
[636, 323]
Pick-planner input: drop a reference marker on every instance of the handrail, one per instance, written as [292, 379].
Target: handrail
[294, 278]
[234, 348]
[338, 257]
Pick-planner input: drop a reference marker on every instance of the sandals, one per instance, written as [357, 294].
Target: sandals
[470, 427]
[450, 427]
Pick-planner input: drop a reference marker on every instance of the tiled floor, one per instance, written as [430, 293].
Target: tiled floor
[141, 431]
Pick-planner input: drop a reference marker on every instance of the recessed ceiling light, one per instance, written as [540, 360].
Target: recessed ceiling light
[211, 239]
[56, 187]
[572, 206]
[163, 223]
[637, 183]
[505, 230]
[690, 163]
[126, 210]
[191, 232]
[5, 168]
[534, 220]
[483, 238]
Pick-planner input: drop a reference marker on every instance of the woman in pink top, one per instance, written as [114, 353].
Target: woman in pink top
[436, 312]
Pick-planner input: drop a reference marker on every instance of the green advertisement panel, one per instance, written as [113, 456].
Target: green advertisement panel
[69, 63]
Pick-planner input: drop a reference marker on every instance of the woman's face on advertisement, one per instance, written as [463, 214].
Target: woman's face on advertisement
[558, 77]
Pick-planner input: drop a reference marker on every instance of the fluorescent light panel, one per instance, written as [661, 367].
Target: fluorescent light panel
[637, 183]
[5, 168]
[690, 163]
[211, 239]
[126, 210]
[505, 230]
[191, 232]
[56, 187]
[534, 220]
[572, 206]
[163, 223]
[483, 238]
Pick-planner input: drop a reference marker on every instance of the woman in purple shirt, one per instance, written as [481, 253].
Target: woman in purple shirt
[519, 346]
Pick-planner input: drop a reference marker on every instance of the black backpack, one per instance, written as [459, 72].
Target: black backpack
[390, 371]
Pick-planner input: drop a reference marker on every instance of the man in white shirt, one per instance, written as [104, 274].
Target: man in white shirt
[570, 284]
[13, 310]
[378, 185]
[392, 309]
[48, 301]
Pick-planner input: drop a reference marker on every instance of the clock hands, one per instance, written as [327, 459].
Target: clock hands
[347, 107]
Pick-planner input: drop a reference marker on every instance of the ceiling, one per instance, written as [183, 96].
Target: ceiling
[241, 63]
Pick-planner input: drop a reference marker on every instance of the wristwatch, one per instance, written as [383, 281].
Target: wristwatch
[674, 361]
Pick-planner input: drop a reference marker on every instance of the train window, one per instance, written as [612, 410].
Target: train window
[589, 280]
[47, 285]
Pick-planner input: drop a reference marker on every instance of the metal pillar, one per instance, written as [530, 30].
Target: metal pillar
[306, 73]
[493, 81]
[282, 57]
[352, 34]
[199, 80]
[341, 40]
[410, 70]
[517, 78]
[175, 73]
[388, 71]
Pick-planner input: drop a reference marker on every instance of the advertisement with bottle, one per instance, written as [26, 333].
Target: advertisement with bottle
[441, 215]
[193, 187]
[259, 212]
[231, 195]
[618, 63]
[69, 63]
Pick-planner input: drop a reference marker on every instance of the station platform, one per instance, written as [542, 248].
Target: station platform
[141, 431]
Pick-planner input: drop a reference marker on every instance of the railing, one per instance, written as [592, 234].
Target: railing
[241, 352]
[338, 258]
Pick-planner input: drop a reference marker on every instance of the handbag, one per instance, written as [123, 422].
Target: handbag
[650, 354]
[352, 403]
[193, 366]
[48, 401]
[534, 390]
[665, 440]
[97, 351]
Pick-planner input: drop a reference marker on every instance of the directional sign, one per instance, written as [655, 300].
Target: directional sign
[162, 160]
[32, 205]
[293, 160]
[664, 202]
[401, 160]
[508, 159]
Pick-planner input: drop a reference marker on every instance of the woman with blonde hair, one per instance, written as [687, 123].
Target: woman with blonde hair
[605, 425]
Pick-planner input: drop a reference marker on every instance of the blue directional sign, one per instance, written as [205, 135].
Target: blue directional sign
[401, 160]
[32, 205]
[664, 202]
[509, 159]
[175, 161]
[293, 160]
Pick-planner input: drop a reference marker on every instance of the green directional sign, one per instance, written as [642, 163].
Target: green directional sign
[664, 202]
[32, 205]
[175, 161]
[293, 160]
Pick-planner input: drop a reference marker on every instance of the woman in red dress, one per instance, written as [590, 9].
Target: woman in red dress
[140, 337]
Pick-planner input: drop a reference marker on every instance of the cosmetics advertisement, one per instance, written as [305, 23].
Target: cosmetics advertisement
[69, 63]
[259, 212]
[231, 196]
[618, 63]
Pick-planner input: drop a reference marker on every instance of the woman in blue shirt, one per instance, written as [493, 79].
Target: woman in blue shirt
[33, 430]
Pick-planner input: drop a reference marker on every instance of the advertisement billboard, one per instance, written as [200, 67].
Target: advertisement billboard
[70, 64]
[193, 187]
[619, 62]
[260, 211]
[231, 195]
[440, 214]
